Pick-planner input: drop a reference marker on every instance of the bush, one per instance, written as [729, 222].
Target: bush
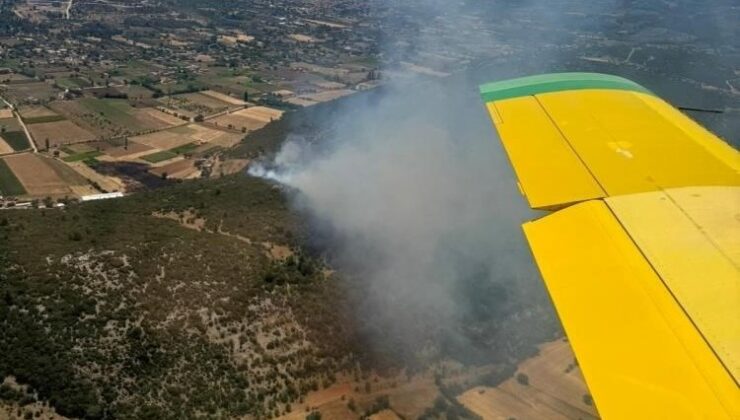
[522, 378]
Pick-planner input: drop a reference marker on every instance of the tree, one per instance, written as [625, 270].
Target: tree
[522, 378]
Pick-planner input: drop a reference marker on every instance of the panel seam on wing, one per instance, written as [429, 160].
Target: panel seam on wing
[572, 148]
[683, 311]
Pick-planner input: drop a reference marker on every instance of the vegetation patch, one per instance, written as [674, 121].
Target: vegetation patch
[17, 140]
[118, 111]
[160, 156]
[186, 148]
[104, 317]
[9, 183]
[82, 156]
[44, 119]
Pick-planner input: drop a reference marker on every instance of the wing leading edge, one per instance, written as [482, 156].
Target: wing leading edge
[641, 255]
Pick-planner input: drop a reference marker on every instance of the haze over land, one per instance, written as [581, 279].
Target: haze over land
[380, 267]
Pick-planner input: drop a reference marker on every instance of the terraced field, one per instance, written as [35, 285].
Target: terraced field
[9, 183]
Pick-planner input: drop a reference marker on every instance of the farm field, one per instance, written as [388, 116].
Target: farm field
[72, 83]
[20, 93]
[181, 136]
[59, 133]
[42, 176]
[12, 135]
[34, 111]
[108, 118]
[30, 112]
[199, 103]
[5, 147]
[327, 95]
[249, 119]
[223, 97]
[555, 390]
[133, 151]
[17, 140]
[10, 124]
[106, 183]
[9, 183]
[160, 156]
[182, 169]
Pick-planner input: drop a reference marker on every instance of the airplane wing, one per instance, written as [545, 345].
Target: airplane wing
[640, 250]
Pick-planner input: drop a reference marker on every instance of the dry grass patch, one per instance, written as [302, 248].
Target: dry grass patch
[554, 389]
[223, 98]
[107, 183]
[132, 151]
[182, 169]
[229, 166]
[248, 119]
[192, 133]
[43, 176]
[163, 117]
[59, 133]
[327, 95]
[5, 147]
[36, 111]
[162, 140]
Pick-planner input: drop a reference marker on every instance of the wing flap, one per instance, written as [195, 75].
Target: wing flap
[641, 356]
[677, 232]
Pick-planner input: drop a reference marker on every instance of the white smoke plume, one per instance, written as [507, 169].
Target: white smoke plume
[422, 207]
[415, 193]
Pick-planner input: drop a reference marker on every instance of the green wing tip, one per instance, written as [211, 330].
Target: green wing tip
[555, 82]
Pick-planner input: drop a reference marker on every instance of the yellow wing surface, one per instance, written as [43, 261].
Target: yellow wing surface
[641, 250]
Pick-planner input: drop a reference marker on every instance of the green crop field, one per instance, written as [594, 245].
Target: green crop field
[9, 184]
[118, 111]
[160, 156]
[186, 148]
[44, 119]
[17, 140]
[82, 156]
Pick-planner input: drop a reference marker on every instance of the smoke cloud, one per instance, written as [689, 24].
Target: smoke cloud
[422, 211]
[412, 190]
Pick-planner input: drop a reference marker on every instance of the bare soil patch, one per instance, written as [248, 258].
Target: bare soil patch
[182, 169]
[163, 117]
[36, 111]
[133, 151]
[59, 133]
[5, 147]
[163, 140]
[192, 133]
[555, 389]
[107, 183]
[223, 98]
[248, 119]
[38, 176]
[327, 95]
